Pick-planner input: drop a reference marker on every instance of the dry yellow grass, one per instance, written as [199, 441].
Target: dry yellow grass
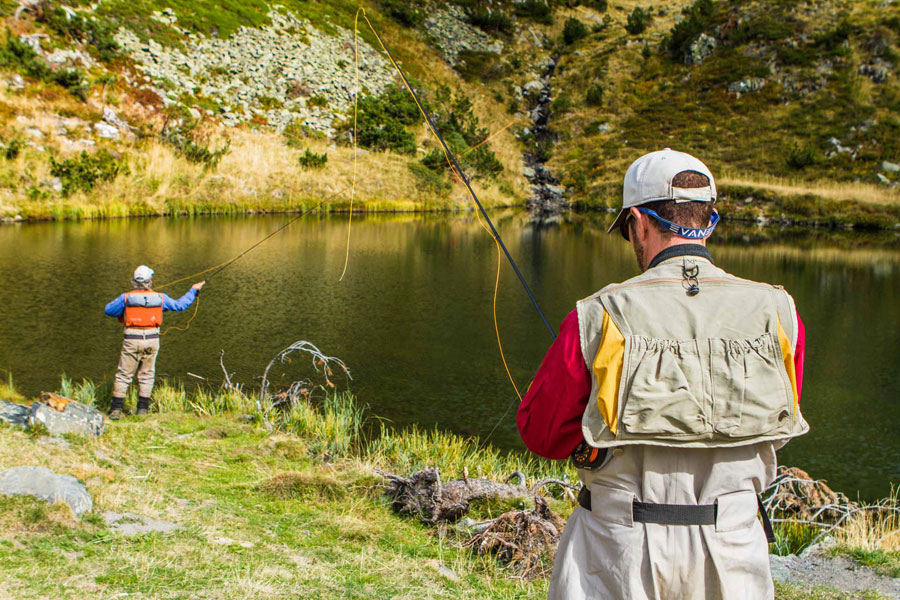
[831, 190]
[873, 530]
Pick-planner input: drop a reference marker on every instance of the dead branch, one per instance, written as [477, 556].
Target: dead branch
[424, 495]
[525, 540]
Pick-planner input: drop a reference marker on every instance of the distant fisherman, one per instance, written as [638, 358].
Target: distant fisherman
[675, 388]
[140, 310]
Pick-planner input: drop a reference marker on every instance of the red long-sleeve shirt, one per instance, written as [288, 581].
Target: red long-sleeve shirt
[549, 417]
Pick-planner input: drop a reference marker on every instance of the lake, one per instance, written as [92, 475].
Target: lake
[412, 317]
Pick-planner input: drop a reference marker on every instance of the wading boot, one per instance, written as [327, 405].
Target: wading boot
[115, 408]
[143, 406]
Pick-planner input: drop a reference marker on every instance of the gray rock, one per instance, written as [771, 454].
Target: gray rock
[105, 130]
[877, 71]
[883, 179]
[14, 414]
[129, 524]
[77, 418]
[750, 84]
[43, 483]
[890, 167]
[528, 172]
[700, 48]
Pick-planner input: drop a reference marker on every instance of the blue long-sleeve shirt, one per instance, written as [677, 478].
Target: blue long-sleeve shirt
[116, 308]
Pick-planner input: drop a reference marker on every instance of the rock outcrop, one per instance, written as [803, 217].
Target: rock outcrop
[285, 72]
[43, 483]
[56, 417]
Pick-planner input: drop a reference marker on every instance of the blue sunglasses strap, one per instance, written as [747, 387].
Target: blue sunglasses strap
[691, 233]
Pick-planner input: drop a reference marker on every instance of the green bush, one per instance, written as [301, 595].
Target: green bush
[832, 41]
[296, 133]
[317, 101]
[638, 21]
[574, 30]
[594, 95]
[535, 10]
[698, 18]
[97, 34]
[491, 21]
[13, 149]
[405, 12]
[460, 129]
[18, 55]
[86, 171]
[382, 121]
[194, 147]
[599, 5]
[765, 27]
[800, 157]
[473, 64]
[311, 160]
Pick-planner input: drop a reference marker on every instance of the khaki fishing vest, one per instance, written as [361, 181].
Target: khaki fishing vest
[707, 370]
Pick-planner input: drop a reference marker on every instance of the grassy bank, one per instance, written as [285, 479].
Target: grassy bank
[296, 512]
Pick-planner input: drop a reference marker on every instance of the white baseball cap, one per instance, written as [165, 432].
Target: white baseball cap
[649, 178]
[143, 273]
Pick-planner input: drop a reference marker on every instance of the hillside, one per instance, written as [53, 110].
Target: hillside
[248, 106]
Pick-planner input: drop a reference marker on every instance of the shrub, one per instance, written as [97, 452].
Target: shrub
[404, 12]
[317, 101]
[698, 18]
[311, 160]
[492, 21]
[594, 95]
[193, 146]
[382, 121]
[97, 34]
[800, 157]
[561, 104]
[598, 5]
[18, 55]
[461, 131]
[474, 64]
[13, 149]
[86, 171]
[638, 21]
[574, 30]
[535, 10]
[832, 41]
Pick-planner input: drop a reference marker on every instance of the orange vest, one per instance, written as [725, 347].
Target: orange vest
[143, 309]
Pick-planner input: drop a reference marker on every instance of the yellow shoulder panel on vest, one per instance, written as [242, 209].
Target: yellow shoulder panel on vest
[788, 355]
[608, 371]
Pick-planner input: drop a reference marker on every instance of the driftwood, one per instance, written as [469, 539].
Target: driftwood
[525, 540]
[795, 495]
[424, 495]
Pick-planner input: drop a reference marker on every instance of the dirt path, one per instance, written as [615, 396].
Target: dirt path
[816, 570]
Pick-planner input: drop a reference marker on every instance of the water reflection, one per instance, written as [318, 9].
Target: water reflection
[412, 317]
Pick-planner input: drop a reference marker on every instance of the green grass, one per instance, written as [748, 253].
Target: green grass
[297, 512]
[786, 591]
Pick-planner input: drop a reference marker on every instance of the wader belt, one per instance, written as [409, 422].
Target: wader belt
[138, 336]
[678, 514]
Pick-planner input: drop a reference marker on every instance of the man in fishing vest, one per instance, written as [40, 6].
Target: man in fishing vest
[674, 389]
[141, 311]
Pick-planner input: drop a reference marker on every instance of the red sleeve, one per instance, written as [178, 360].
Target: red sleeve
[549, 417]
[800, 354]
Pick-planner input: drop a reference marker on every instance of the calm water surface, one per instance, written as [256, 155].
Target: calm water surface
[412, 318]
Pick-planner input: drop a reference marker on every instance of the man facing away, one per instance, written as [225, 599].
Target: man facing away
[677, 387]
[140, 310]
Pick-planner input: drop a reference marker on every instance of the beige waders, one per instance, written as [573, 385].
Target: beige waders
[604, 554]
[139, 351]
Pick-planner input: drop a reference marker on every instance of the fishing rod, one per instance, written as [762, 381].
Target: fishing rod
[456, 166]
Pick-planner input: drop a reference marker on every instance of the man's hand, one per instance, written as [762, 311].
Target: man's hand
[198, 286]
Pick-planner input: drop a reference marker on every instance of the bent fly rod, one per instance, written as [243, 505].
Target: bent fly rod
[456, 167]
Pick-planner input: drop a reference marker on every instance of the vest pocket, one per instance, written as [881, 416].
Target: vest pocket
[751, 394]
[666, 393]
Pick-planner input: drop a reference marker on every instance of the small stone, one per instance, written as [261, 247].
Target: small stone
[34, 132]
[883, 179]
[43, 483]
[129, 524]
[890, 167]
[105, 130]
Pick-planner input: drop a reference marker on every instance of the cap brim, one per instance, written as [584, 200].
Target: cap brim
[623, 214]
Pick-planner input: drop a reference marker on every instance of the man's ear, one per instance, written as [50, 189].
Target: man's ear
[639, 219]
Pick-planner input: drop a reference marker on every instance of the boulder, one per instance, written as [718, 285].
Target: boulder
[43, 483]
[700, 48]
[67, 417]
[13, 413]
